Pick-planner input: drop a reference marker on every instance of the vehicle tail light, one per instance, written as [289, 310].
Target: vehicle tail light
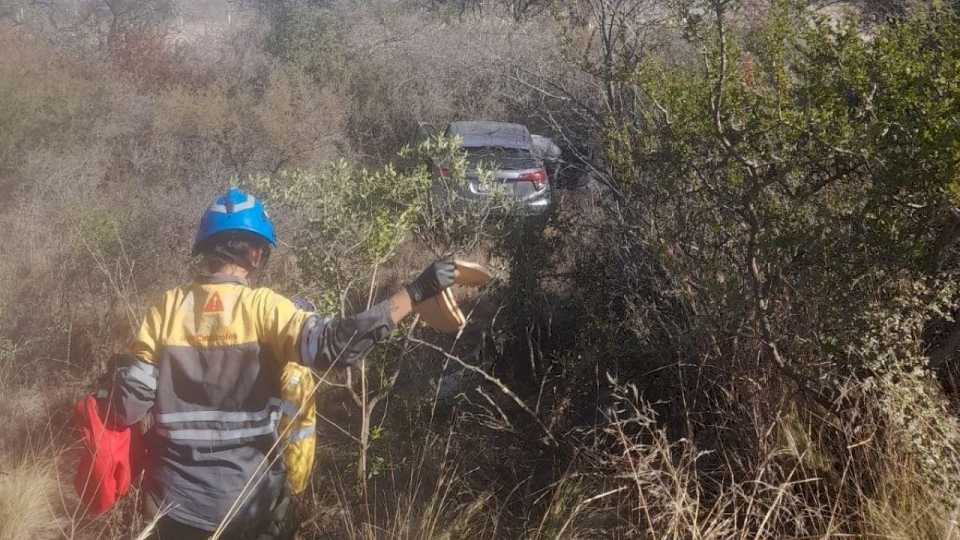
[538, 177]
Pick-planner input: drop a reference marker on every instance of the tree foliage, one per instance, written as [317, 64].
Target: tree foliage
[791, 183]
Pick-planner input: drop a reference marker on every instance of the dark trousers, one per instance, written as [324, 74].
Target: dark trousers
[281, 526]
[168, 529]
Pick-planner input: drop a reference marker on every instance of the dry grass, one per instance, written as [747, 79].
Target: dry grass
[28, 493]
[32, 495]
[905, 506]
[432, 500]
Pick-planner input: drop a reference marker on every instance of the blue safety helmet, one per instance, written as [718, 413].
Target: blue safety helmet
[235, 211]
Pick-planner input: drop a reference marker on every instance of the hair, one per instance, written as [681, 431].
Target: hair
[231, 247]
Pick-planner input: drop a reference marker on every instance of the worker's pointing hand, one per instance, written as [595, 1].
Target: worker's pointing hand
[437, 277]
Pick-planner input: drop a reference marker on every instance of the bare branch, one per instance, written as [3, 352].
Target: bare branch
[494, 381]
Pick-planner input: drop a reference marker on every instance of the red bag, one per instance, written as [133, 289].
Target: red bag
[104, 472]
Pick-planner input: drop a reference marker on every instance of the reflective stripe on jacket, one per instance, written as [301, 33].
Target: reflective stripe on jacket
[210, 357]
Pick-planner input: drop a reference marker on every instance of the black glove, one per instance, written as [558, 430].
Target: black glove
[437, 277]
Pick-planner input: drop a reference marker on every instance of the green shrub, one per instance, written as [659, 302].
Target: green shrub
[351, 220]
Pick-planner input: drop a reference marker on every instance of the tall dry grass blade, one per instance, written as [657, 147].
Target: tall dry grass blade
[149, 528]
[582, 504]
[27, 490]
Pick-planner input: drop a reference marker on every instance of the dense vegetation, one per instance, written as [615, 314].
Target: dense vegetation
[738, 322]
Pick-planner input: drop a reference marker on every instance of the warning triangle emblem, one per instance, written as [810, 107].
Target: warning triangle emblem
[213, 305]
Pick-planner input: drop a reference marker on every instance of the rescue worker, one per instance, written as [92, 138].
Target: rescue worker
[204, 366]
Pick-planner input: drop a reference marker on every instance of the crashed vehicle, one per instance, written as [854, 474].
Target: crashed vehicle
[501, 159]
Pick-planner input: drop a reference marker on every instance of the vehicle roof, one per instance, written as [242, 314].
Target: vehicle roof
[485, 133]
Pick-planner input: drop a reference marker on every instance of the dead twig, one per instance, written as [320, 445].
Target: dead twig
[494, 381]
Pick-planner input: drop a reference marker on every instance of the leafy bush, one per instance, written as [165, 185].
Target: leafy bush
[780, 200]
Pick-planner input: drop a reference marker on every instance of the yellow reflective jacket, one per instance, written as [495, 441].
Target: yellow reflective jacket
[299, 425]
[215, 362]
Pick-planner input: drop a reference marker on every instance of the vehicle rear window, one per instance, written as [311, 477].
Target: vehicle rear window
[497, 157]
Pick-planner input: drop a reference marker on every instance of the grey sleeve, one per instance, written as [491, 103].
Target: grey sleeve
[342, 342]
[134, 390]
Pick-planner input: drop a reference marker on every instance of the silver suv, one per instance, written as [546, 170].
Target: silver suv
[505, 151]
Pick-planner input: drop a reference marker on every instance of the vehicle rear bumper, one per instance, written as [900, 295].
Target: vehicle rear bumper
[537, 202]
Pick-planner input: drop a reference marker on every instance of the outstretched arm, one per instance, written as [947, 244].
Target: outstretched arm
[431, 282]
[344, 341]
[400, 305]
